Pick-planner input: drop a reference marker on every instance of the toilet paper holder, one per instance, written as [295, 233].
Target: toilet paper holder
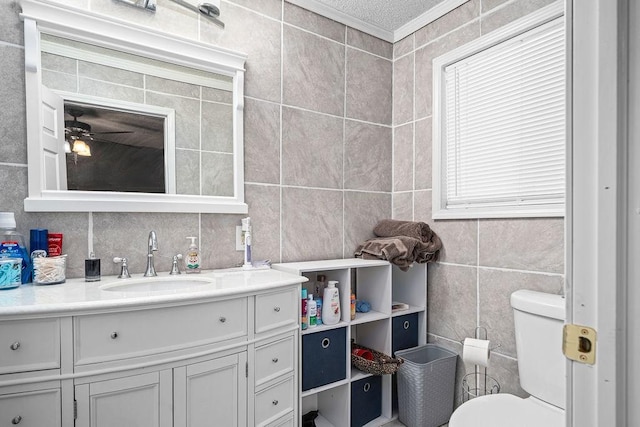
[479, 383]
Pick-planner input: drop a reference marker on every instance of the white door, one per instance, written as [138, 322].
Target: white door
[211, 393]
[602, 252]
[54, 167]
[139, 400]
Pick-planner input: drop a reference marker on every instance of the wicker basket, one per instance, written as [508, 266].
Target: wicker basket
[380, 365]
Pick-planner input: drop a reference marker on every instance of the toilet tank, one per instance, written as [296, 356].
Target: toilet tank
[538, 320]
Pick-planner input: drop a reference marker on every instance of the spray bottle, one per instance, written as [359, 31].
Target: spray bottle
[246, 228]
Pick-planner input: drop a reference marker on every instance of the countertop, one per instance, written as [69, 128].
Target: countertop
[78, 296]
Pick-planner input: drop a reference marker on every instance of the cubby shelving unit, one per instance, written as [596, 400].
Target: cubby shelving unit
[380, 284]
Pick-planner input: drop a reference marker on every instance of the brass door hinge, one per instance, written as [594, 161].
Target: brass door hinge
[579, 343]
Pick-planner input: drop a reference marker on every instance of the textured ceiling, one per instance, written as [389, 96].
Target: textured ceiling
[386, 14]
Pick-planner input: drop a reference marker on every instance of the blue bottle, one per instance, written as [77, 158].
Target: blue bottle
[12, 244]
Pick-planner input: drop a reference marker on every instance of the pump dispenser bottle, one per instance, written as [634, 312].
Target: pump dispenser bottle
[192, 260]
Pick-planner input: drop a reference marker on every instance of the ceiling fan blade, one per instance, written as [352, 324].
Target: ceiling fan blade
[113, 132]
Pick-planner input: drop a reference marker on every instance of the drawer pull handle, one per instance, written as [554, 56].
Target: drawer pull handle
[326, 342]
[275, 402]
[367, 387]
[222, 319]
[16, 420]
[276, 309]
[405, 325]
[274, 360]
[114, 335]
[15, 345]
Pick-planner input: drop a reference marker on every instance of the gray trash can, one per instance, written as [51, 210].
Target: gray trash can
[426, 385]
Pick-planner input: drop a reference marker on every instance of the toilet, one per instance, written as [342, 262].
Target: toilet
[539, 319]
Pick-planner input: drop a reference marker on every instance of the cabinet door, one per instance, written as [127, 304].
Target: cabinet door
[138, 400]
[211, 393]
[31, 409]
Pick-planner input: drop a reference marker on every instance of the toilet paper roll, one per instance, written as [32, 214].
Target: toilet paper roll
[476, 352]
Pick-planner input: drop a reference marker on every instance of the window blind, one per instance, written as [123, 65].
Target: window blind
[504, 123]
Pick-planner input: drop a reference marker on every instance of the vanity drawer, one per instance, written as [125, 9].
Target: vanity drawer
[274, 402]
[32, 409]
[274, 359]
[277, 309]
[112, 336]
[29, 345]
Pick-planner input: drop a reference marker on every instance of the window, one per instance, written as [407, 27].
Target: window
[499, 123]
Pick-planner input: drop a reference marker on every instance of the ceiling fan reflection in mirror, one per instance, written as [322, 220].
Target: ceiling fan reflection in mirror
[77, 133]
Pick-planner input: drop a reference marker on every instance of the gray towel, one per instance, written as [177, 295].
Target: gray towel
[397, 250]
[393, 227]
[401, 243]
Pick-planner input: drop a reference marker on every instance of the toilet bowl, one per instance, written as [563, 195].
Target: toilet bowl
[538, 321]
[507, 410]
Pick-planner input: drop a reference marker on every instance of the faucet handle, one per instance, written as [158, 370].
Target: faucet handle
[124, 267]
[175, 269]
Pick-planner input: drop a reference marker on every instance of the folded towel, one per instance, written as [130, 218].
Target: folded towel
[407, 242]
[397, 250]
[392, 227]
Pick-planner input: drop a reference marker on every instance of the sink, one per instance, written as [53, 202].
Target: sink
[156, 284]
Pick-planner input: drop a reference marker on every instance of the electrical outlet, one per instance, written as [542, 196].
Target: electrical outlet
[239, 238]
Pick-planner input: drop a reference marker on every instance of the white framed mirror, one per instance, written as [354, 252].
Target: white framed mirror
[100, 90]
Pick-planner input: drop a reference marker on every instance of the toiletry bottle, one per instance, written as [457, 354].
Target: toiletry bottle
[38, 242]
[303, 309]
[311, 308]
[319, 311]
[321, 283]
[331, 304]
[192, 259]
[12, 244]
[353, 306]
[246, 228]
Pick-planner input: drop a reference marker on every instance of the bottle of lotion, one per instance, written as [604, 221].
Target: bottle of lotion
[192, 259]
[331, 304]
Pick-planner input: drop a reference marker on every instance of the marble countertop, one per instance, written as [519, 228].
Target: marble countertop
[78, 296]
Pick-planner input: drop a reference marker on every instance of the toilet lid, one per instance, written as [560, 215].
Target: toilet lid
[506, 410]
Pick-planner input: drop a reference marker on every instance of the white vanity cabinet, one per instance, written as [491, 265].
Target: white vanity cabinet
[228, 360]
[138, 400]
[213, 392]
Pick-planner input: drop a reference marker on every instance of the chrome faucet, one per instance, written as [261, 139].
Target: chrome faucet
[153, 246]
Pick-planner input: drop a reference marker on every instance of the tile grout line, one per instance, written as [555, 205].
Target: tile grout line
[344, 146]
[281, 192]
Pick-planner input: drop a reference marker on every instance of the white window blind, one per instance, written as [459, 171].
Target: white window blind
[503, 129]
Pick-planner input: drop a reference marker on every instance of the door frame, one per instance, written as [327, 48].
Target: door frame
[597, 220]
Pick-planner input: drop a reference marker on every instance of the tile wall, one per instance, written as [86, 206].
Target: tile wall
[483, 261]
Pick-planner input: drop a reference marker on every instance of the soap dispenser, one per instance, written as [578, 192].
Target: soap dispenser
[193, 257]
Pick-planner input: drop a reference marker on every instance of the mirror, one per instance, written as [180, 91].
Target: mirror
[124, 118]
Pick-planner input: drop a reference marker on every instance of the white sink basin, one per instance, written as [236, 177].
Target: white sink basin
[157, 284]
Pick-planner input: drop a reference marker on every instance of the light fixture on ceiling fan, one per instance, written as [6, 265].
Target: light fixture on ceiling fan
[77, 133]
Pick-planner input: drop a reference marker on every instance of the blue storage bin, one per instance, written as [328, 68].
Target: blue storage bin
[366, 400]
[404, 335]
[324, 358]
[404, 332]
